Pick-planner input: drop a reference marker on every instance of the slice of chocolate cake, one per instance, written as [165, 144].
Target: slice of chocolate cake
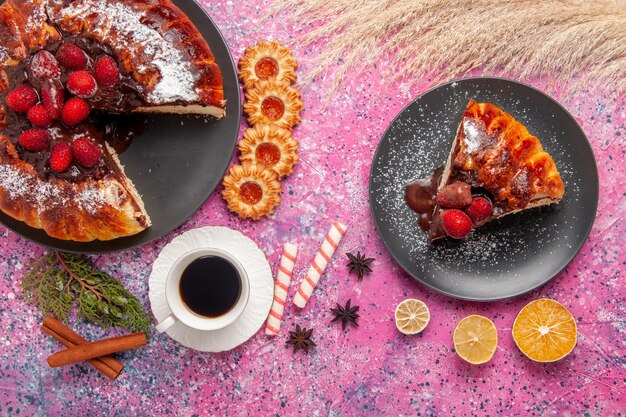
[495, 168]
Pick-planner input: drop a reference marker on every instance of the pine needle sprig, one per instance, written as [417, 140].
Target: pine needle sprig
[59, 283]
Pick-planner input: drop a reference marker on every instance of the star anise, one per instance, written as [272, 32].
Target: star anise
[359, 264]
[346, 314]
[301, 339]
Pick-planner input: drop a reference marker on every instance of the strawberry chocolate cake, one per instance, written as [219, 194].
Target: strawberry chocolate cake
[69, 70]
[495, 168]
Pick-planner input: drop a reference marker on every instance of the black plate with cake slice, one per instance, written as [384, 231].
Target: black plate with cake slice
[498, 141]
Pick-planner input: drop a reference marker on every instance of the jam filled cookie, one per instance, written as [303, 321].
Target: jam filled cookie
[273, 102]
[267, 60]
[271, 146]
[251, 190]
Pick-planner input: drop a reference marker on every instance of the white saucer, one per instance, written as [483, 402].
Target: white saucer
[261, 288]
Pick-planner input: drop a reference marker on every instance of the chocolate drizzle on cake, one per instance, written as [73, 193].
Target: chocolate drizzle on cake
[117, 130]
[126, 95]
[420, 196]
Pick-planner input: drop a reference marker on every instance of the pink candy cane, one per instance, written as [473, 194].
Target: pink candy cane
[318, 265]
[281, 287]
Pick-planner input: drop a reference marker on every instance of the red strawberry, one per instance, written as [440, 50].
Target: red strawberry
[44, 65]
[21, 99]
[106, 72]
[72, 57]
[52, 95]
[86, 152]
[74, 111]
[61, 157]
[81, 84]
[456, 223]
[38, 116]
[34, 140]
[456, 195]
[479, 210]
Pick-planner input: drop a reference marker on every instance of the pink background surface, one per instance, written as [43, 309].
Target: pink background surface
[372, 370]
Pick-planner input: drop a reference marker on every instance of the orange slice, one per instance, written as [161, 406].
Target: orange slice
[544, 330]
[475, 339]
[412, 316]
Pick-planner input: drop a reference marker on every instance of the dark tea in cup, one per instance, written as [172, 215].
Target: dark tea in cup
[210, 286]
[205, 289]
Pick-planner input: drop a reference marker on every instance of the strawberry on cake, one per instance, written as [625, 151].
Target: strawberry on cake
[65, 64]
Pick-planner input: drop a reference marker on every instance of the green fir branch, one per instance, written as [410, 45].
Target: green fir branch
[59, 283]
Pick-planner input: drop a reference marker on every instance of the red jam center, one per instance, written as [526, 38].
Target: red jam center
[273, 108]
[268, 154]
[266, 68]
[251, 192]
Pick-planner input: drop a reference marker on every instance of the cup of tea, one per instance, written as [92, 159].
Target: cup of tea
[206, 289]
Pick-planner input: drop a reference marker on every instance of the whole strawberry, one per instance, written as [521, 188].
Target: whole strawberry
[61, 157]
[38, 116]
[456, 195]
[44, 65]
[479, 210]
[34, 140]
[86, 152]
[52, 95]
[456, 223]
[74, 111]
[21, 99]
[72, 57]
[81, 84]
[106, 72]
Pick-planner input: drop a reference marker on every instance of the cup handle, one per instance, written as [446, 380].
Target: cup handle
[166, 324]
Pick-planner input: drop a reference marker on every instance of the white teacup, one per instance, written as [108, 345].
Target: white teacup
[182, 313]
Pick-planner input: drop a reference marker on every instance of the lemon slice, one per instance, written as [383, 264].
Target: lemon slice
[544, 330]
[475, 339]
[412, 316]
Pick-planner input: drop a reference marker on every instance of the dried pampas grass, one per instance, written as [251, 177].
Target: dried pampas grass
[560, 40]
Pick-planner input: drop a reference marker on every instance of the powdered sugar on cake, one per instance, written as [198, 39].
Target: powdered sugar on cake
[472, 139]
[91, 198]
[4, 54]
[43, 195]
[122, 26]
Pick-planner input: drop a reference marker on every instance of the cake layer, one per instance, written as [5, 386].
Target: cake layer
[190, 109]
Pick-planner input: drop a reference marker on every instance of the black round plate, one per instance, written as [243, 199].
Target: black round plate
[504, 258]
[177, 161]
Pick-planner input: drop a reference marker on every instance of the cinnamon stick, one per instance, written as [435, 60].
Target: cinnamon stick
[108, 365]
[96, 363]
[97, 349]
